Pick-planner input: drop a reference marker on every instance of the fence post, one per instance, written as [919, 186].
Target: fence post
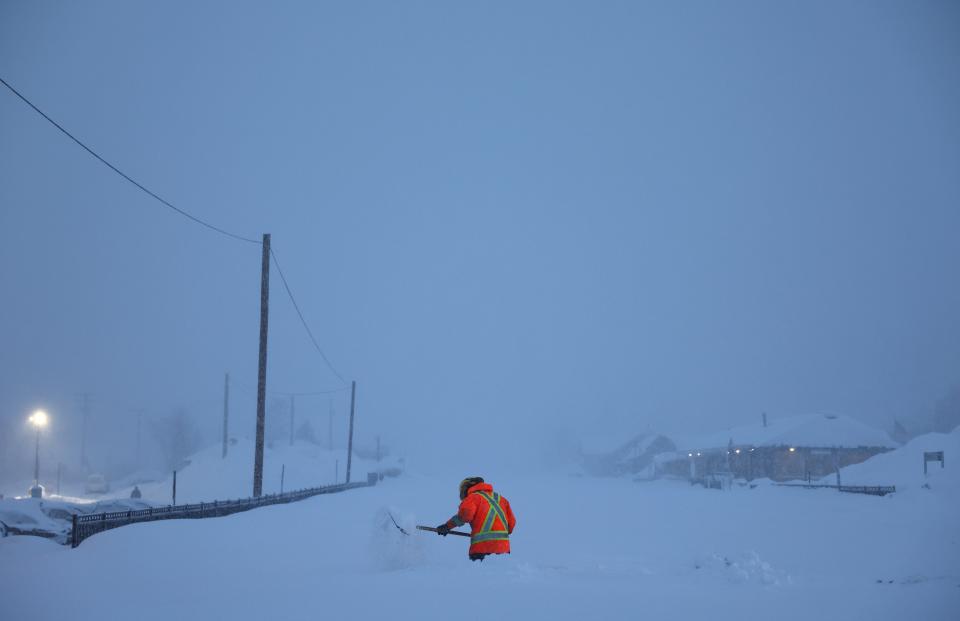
[73, 533]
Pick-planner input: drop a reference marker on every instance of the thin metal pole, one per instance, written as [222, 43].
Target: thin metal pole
[262, 369]
[226, 411]
[83, 431]
[283, 471]
[353, 400]
[174, 487]
[139, 427]
[293, 401]
[36, 462]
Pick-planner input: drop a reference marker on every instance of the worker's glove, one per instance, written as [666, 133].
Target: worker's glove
[443, 529]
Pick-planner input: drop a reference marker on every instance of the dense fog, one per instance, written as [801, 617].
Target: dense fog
[515, 227]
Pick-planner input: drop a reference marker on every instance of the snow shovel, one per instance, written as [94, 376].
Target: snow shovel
[433, 530]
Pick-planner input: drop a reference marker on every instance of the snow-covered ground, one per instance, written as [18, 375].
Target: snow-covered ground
[584, 549]
[208, 476]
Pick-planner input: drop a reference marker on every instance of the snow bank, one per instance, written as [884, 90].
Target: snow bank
[395, 542]
[746, 568]
[903, 467]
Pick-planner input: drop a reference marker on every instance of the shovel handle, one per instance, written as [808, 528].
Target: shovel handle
[433, 530]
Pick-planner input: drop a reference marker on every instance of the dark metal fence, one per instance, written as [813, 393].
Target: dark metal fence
[873, 490]
[85, 526]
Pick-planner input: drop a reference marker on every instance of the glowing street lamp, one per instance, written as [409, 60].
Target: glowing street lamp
[39, 420]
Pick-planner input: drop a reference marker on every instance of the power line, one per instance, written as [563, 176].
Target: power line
[123, 174]
[302, 320]
[315, 394]
[311, 393]
[195, 219]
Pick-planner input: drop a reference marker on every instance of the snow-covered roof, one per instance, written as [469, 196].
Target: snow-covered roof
[601, 444]
[816, 430]
[605, 444]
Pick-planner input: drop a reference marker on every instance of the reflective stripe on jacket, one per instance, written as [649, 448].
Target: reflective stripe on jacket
[490, 517]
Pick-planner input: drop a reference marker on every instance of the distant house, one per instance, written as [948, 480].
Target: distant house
[615, 456]
[800, 447]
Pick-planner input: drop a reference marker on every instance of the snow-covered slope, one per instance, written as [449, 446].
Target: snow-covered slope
[208, 476]
[904, 466]
[583, 549]
[211, 477]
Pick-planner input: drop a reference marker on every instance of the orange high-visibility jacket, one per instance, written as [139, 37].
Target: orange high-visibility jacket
[490, 518]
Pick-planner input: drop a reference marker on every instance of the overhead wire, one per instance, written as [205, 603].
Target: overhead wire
[283, 393]
[186, 214]
[306, 327]
[123, 174]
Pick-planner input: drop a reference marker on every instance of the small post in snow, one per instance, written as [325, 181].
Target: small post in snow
[292, 402]
[226, 412]
[836, 466]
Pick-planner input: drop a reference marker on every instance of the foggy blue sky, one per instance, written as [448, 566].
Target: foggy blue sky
[500, 220]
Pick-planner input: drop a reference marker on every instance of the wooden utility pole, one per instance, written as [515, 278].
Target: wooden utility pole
[353, 400]
[330, 428]
[262, 370]
[293, 400]
[226, 411]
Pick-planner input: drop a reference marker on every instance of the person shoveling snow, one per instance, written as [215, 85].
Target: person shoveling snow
[489, 515]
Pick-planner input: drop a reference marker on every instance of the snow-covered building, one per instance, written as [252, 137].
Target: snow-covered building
[615, 456]
[799, 447]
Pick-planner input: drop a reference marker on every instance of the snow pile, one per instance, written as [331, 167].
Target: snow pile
[52, 518]
[903, 467]
[747, 568]
[394, 541]
[27, 516]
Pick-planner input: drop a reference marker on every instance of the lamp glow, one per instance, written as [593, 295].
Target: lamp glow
[39, 419]
[792, 449]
